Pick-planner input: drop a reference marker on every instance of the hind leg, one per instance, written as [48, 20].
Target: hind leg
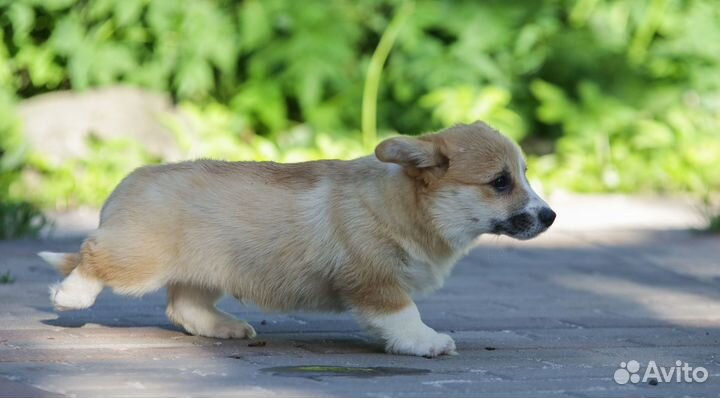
[77, 291]
[100, 265]
[193, 308]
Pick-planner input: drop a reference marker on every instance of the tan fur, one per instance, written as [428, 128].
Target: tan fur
[330, 235]
[121, 271]
[68, 264]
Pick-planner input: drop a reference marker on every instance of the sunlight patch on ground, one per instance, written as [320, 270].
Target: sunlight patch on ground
[667, 304]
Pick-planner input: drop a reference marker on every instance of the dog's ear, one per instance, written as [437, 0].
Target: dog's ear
[424, 156]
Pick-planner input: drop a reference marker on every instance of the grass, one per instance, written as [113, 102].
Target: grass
[714, 223]
[20, 220]
[710, 210]
[7, 278]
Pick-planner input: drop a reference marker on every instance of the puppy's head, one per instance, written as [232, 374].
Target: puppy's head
[473, 180]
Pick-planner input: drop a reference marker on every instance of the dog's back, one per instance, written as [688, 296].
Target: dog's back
[252, 229]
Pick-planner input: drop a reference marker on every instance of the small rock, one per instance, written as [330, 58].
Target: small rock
[258, 343]
[490, 348]
[58, 124]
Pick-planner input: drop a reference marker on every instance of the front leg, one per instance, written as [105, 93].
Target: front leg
[395, 318]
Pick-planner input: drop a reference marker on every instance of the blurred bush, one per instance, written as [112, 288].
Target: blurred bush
[603, 95]
[20, 220]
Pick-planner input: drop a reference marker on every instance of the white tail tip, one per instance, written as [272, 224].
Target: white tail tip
[54, 259]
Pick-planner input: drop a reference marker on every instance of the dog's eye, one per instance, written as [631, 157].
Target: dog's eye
[501, 183]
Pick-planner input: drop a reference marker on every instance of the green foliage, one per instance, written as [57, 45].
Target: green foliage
[216, 132]
[714, 224]
[710, 210]
[87, 180]
[645, 117]
[372, 80]
[7, 278]
[20, 220]
[603, 95]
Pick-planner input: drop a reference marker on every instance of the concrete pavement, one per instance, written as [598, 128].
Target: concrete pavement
[551, 317]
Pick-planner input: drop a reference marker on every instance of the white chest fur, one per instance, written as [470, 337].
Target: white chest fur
[423, 273]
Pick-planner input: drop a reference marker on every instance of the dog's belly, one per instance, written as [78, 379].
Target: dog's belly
[289, 292]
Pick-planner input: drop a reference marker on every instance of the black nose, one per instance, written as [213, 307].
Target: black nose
[546, 216]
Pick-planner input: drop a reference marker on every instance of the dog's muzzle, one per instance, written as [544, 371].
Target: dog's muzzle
[526, 225]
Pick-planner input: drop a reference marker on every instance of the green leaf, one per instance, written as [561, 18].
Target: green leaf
[22, 18]
[255, 26]
[194, 78]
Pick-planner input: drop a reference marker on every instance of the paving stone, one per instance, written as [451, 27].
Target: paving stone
[551, 317]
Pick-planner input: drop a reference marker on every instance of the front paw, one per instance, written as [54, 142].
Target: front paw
[428, 343]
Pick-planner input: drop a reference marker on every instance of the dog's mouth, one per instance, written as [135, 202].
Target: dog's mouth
[520, 226]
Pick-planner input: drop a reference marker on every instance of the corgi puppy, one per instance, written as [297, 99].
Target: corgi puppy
[365, 235]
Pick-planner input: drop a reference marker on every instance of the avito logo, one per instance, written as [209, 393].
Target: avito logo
[682, 372]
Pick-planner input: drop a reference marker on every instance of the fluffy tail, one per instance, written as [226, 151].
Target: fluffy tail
[63, 262]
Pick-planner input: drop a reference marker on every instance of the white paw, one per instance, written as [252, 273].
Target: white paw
[226, 329]
[74, 300]
[427, 343]
[233, 329]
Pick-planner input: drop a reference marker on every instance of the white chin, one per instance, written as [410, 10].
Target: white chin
[522, 236]
[526, 235]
